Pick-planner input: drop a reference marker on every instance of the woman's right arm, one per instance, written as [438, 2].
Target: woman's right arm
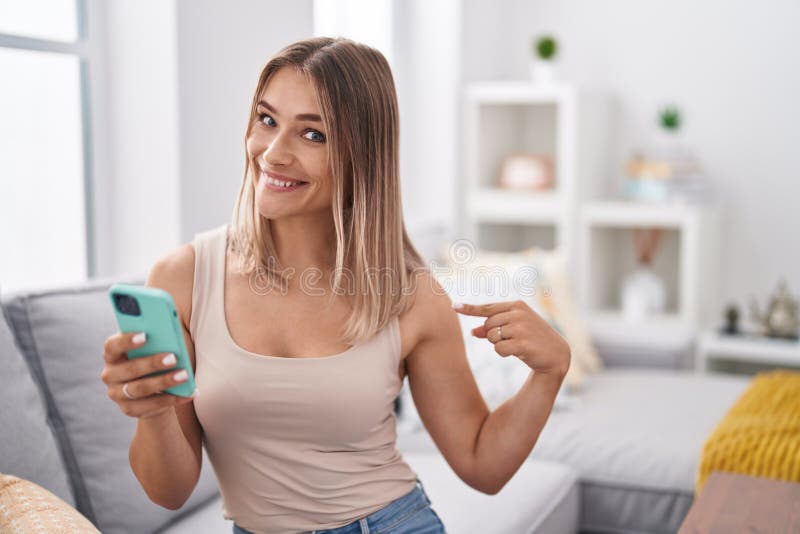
[166, 451]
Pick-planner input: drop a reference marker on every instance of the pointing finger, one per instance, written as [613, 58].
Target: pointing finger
[482, 310]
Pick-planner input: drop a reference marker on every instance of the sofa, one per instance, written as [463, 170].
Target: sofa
[619, 458]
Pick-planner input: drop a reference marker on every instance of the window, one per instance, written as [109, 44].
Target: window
[44, 177]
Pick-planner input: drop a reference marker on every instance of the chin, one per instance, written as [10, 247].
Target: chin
[272, 213]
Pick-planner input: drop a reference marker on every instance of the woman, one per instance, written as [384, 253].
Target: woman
[299, 351]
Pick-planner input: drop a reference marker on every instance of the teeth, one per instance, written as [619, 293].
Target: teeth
[279, 182]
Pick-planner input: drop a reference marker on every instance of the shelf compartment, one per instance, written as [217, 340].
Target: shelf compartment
[611, 257]
[508, 129]
[500, 205]
[638, 214]
[507, 237]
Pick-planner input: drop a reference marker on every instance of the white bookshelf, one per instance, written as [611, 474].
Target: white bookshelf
[686, 259]
[511, 117]
[572, 125]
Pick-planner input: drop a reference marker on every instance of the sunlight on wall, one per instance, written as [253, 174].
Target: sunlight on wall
[365, 21]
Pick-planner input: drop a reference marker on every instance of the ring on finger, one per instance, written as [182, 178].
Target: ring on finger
[126, 392]
[500, 332]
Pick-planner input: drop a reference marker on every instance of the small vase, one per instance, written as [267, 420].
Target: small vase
[542, 71]
[668, 145]
[643, 294]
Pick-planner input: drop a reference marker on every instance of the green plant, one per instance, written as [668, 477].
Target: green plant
[670, 118]
[545, 47]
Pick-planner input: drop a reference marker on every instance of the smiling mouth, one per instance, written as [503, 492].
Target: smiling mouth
[286, 185]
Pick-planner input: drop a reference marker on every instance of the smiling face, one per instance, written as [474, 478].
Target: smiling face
[287, 143]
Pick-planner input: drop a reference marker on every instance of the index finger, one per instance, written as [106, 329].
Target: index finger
[482, 310]
[117, 345]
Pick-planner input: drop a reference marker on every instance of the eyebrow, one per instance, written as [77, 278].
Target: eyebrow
[301, 117]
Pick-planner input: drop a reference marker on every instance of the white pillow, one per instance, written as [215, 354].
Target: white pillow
[536, 276]
[492, 277]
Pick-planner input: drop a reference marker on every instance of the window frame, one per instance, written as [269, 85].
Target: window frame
[80, 48]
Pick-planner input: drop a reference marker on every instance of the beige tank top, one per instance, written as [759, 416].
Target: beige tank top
[297, 444]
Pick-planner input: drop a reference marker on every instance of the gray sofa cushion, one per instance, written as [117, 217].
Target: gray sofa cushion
[636, 437]
[61, 333]
[27, 447]
[541, 498]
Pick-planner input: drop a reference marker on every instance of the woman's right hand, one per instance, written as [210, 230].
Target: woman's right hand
[149, 399]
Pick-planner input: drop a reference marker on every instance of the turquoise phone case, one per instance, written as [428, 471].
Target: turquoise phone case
[158, 318]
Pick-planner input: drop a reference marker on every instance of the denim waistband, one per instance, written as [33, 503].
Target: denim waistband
[394, 512]
[397, 510]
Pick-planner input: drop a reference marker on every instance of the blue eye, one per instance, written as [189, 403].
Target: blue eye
[262, 116]
[320, 139]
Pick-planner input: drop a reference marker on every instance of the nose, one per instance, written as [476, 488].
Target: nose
[277, 152]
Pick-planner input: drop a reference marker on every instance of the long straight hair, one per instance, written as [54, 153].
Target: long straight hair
[375, 261]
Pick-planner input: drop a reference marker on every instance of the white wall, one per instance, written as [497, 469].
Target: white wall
[183, 72]
[731, 66]
[143, 194]
[222, 47]
[180, 77]
[427, 74]
[363, 21]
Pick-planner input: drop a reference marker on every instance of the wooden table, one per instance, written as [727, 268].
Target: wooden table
[730, 503]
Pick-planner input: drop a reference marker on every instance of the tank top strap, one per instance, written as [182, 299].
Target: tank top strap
[209, 265]
[395, 339]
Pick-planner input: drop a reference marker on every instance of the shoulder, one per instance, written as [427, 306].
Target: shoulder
[431, 310]
[426, 291]
[174, 273]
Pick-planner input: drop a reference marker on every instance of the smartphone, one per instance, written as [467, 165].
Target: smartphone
[152, 311]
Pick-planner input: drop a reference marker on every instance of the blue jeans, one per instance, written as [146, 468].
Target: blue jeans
[409, 514]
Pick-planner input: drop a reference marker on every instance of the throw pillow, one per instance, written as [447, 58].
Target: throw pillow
[536, 276]
[27, 507]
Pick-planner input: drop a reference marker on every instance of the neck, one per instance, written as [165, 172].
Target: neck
[305, 241]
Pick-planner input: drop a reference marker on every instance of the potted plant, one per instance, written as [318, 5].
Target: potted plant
[670, 118]
[544, 49]
[670, 146]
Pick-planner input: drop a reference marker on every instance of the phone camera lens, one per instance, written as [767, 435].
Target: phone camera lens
[127, 304]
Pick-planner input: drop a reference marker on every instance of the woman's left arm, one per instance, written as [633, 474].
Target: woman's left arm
[509, 433]
[484, 448]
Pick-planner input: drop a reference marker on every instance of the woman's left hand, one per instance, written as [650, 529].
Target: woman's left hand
[515, 329]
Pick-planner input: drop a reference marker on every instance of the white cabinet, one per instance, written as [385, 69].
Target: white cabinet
[504, 118]
[716, 351]
[687, 259]
[576, 127]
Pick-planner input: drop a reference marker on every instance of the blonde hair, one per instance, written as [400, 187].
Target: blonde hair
[358, 103]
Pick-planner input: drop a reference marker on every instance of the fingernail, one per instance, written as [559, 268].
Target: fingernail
[458, 305]
[139, 338]
[169, 359]
[181, 375]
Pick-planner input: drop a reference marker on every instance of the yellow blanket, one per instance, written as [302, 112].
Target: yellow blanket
[760, 434]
